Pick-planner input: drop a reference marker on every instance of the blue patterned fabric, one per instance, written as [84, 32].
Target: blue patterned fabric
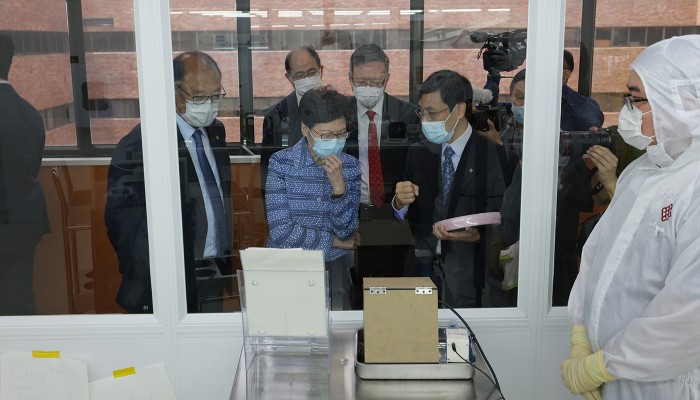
[448, 174]
[300, 210]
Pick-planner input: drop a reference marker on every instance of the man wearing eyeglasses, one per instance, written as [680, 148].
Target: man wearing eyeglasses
[205, 188]
[280, 126]
[381, 127]
[635, 305]
[454, 172]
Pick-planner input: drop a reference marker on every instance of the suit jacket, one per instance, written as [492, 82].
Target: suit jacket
[478, 187]
[126, 220]
[23, 216]
[400, 128]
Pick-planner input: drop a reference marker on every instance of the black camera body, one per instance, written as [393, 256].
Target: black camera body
[502, 51]
[499, 115]
[575, 143]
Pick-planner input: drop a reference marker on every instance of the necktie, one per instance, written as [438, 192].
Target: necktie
[448, 174]
[376, 179]
[214, 197]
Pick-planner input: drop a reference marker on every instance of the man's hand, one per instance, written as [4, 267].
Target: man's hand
[350, 244]
[406, 193]
[469, 235]
[606, 162]
[492, 134]
[334, 169]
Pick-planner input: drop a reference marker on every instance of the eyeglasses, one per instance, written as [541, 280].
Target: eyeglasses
[629, 100]
[308, 74]
[329, 135]
[204, 99]
[429, 115]
[374, 84]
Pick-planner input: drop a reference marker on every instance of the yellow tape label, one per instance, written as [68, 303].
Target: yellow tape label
[46, 354]
[120, 373]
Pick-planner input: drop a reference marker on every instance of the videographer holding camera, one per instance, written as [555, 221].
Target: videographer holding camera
[578, 190]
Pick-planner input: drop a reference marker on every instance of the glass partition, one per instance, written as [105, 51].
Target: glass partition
[589, 187]
[72, 80]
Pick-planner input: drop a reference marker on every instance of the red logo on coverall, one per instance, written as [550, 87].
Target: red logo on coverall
[666, 212]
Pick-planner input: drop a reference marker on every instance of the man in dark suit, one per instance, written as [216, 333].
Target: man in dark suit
[380, 143]
[280, 126]
[23, 216]
[454, 172]
[205, 188]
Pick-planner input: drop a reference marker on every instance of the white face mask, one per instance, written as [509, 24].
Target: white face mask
[630, 128]
[200, 115]
[435, 131]
[368, 96]
[304, 85]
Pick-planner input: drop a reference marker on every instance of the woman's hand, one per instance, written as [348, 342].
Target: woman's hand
[350, 244]
[334, 169]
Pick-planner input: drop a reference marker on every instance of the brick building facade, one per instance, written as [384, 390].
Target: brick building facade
[42, 68]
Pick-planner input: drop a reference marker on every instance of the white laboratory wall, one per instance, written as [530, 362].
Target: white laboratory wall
[525, 345]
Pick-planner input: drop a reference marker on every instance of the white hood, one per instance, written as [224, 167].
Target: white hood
[670, 72]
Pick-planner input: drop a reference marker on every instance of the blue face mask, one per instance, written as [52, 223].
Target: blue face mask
[325, 148]
[435, 131]
[518, 113]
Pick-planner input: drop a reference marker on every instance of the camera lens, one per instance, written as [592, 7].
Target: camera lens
[575, 143]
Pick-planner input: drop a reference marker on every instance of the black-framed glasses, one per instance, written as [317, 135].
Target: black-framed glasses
[330, 135]
[204, 99]
[308, 74]
[374, 84]
[429, 115]
[629, 100]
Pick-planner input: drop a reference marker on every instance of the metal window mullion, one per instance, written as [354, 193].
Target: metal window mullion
[245, 72]
[585, 69]
[415, 55]
[78, 68]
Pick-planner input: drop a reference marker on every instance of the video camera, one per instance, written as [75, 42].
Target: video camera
[575, 143]
[502, 51]
[499, 115]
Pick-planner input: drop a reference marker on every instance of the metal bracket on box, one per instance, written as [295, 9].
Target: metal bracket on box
[377, 290]
[424, 290]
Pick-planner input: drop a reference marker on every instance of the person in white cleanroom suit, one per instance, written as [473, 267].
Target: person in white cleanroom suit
[635, 305]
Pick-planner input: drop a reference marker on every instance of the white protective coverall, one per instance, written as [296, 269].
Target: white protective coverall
[638, 290]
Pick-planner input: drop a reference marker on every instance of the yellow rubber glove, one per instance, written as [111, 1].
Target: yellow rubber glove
[585, 374]
[580, 345]
[580, 348]
[592, 395]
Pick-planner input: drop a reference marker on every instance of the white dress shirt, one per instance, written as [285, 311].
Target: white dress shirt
[187, 131]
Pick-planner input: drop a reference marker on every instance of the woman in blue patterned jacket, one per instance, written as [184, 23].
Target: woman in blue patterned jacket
[313, 189]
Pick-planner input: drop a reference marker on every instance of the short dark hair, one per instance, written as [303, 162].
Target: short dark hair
[308, 49]
[322, 105]
[179, 63]
[454, 88]
[368, 53]
[568, 61]
[520, 76]
[7, 51]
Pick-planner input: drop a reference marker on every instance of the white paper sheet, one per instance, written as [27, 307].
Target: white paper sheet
[24, 377]
[148, 383]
